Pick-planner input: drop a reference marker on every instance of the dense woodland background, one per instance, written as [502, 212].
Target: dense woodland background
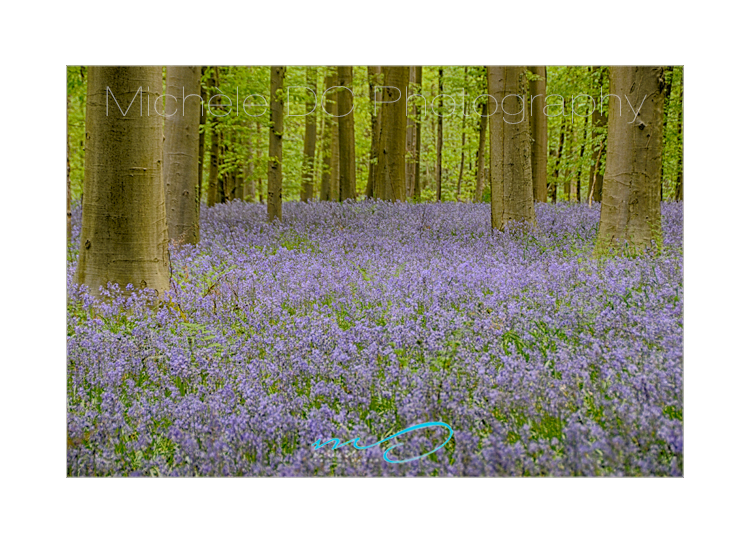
[449, 146]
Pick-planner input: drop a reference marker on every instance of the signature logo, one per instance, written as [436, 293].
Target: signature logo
[355, 442]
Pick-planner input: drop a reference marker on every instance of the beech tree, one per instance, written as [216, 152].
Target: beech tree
[213, 166]
[347, 156]
[679, 181]
[310, 135]
[69, 214]
[411, 134]
[482, 127]
[512, 190]
[373, 80]
[374, 76]
[538, 120]
[124, 228]
[463, 138]
[329, 183]
[417, 189]
[181, 152]
[439, 162]
[202, 135]
[275, 136]
[390, 171]
[631, 206]
[599, 150]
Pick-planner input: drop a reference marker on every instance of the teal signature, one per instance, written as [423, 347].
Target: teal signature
[355, 442]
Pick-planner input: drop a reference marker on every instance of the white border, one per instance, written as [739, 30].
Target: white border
[42, 504]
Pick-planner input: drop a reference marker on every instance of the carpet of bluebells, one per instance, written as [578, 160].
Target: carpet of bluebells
[363, 319]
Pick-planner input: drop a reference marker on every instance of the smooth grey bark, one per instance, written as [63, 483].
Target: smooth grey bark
[631, 208]
[124, 229]
[347, 154]
[374, 76]
[275, 138]
[512, 190]
[181, 153]
[439, 161]
[308, 171]
[390, 171]
[202, 137]
[599, 150]
[479, 190]
[538, 121]
[417, 189]
[330, 142]
[213, 169]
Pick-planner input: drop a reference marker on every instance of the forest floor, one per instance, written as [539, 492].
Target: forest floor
[364, 319]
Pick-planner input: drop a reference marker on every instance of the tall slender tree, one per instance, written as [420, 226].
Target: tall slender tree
[538, 120]
[374, 76]
[512, 190]
[347, 154]
[202, 136]
[631, 209]
[124, 227]
[668, 77]
[599, 150]
[439, 161]
[581, 154]
[417, 189]
[558, 160]
[390, 173]
[213, 122]
[275, 138]
[463, 137]
[69, 214]
[181, 153]
[308, 171]
[479, 191]
[679, 181]
[329, 179]
[410, 133]
[250, 169]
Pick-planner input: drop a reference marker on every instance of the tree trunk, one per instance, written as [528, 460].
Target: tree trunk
[238, 183]
[181, 154]
[308, 170]
[668, 76]
[222, 186]
[69, 214]
[347, 156]
[479, 192]
[631, 210]
[213, 168]
[439, 163]
[463, 139]
[202, 137]
[250, 169]
[538, 120]
[599, 152]
[124, 230]
[512, 189]
[417, 194]
[411, 134]
[275, 136]
[330, 142]
[558, 159]
[580, 156]
[373, 79]
[390, 172]
[679, 181]
[569, 137]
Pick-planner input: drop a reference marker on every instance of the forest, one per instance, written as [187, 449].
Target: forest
[264, 259]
